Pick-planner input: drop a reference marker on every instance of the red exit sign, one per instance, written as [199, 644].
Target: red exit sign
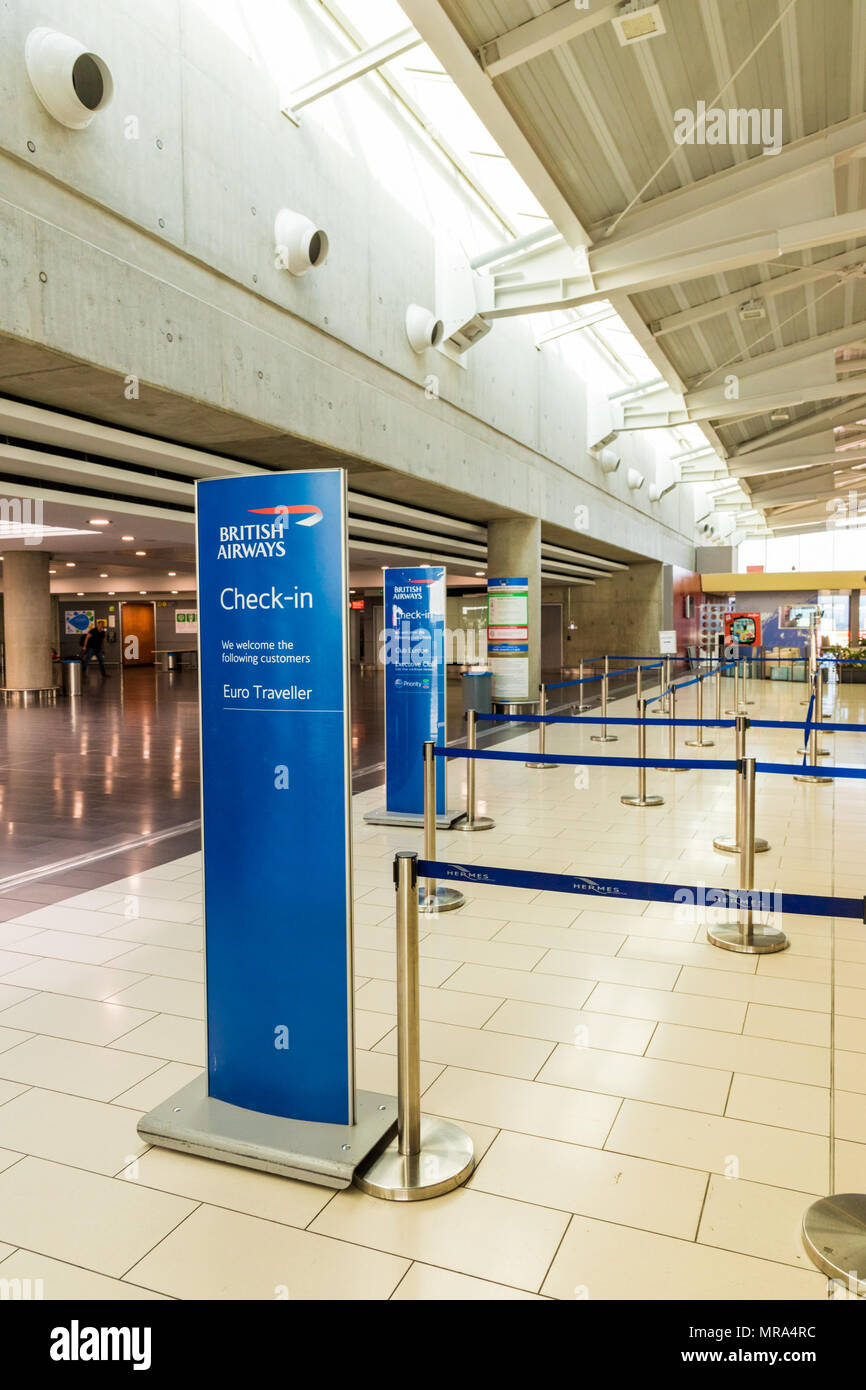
[356, 603]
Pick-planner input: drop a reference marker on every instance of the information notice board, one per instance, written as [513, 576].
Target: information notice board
[508, 637]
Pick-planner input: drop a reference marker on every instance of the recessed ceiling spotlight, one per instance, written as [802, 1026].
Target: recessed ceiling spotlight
[127, 538]
[172, 574]
[104, 576]
[70, 564]
[80, 594]
[780, 416]
[52, 571]
[141, 552]
[174, 591]
[111, 593]
[99, 521]
[142, 591]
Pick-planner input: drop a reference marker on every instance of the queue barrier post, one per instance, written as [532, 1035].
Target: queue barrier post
[642, 799]
[428, 1156]
[433, 898]
[747, 678]
[718, 674]
[746, 935]
[604, 736]
[731, 844]
[472, 820]
[814, 751]
[738, 702]
[700, 741]
[542, 729]
[580, 707]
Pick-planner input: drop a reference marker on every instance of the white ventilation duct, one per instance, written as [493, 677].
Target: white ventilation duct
[635, 480]
[71, 82]
[423, 329]
[610, 460]
[299, 244]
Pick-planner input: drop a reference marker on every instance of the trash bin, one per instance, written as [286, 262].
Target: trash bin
[71, 673]
[478, 691]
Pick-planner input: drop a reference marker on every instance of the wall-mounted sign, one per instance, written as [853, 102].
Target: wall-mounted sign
[78, 620]
[186, 620]
[668, 642]
[743, 628]
[508, 637]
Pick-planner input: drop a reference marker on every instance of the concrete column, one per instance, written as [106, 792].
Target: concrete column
[514, 550]
[854, 618]
[27, 620]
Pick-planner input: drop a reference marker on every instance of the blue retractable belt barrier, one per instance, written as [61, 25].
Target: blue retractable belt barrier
[797, 768]
[582, 760]
[600, 719]
[806, 904]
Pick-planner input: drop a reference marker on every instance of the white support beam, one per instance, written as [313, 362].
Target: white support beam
[839, 413]
[821, 482]
[539, 35]
[368, 60]
[751, 214]
[849, 261]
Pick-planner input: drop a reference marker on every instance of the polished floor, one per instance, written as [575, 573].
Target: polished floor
[651, 1115]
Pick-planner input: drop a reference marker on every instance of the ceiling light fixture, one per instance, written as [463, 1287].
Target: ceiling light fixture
[637, 21]
[99, 521]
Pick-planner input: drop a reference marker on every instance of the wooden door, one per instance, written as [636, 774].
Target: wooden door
[138, 634]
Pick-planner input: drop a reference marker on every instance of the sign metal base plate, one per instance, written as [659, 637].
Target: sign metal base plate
[446, 821]
[193, 1122]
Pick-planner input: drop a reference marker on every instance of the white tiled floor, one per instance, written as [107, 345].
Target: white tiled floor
[651, 1115]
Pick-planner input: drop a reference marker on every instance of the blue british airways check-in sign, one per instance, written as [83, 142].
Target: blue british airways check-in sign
[275, 793]
[414, 683]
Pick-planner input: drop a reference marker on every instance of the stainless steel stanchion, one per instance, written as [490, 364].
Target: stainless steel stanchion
[812, 747]
[731, 844]
[746, 935]
[642, 799]
[604, 736]
[814, 751]
[672, 730]
[542, 728]
[747, 678]
[580, 707]
[738, 703]
[428, 1156]
[700, 741]
[718, 675]
[472, 821]
[813, 664]
[638, 686]
[434, 899]
[663, 705]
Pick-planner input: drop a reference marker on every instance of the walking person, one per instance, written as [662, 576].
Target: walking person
[93, 644]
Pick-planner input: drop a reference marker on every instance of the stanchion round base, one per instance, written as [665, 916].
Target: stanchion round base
[540, 766]
[732, 713]
[765, 940]
[479, 823]
[445, 1161]
[700, 743]
[604, 738]
[834, 1234]
[642, 800]
[812, 777]
[728, 844]
[822, 752]
[443, 900]
[581, 709]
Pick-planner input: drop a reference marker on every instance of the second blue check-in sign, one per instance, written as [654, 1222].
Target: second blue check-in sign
[414, 657]
[275, 794]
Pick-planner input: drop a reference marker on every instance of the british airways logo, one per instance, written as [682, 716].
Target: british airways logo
[306, 513]
[265, 539]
